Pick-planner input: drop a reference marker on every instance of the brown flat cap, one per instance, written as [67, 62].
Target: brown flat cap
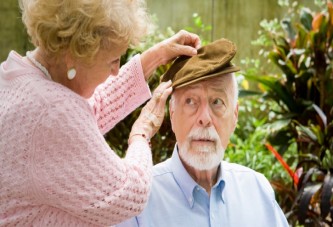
[212, 60]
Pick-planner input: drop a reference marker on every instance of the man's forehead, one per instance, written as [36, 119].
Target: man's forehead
[217, 84]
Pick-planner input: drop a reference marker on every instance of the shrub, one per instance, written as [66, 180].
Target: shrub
[301, 48]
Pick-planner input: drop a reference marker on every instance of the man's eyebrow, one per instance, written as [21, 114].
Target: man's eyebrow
[193, 86]
[221, 89]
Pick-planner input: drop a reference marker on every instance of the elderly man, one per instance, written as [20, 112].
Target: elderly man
[194, 188]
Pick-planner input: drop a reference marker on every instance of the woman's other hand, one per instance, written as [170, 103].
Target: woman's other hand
[182, 43]
[152, 114]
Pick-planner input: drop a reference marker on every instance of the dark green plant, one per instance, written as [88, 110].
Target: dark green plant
[301, 47]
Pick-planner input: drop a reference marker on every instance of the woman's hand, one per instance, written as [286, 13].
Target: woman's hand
[152, 114]
[182, 43]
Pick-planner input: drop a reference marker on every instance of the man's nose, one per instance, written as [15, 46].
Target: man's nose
[204, 118]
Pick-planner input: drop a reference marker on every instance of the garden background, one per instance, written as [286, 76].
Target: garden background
[285, 127]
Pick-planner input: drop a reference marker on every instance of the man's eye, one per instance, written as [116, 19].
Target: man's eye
[218, 102]
[189, 101]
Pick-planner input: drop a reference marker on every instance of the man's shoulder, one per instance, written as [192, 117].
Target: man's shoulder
[233, 171]
[228, 166]
[161, 169]
[237, 169]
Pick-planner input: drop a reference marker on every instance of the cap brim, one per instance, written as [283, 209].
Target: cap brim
[227, 70]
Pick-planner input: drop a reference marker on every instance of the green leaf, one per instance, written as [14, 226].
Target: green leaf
[326, 194]
[321, 114]
[316, 129]
[277, 125]
[277, 90]
[309, 158]
[305, 199]
[306, 132]
[245, 93]
[306, 18]
[287, 27]
[302, 37]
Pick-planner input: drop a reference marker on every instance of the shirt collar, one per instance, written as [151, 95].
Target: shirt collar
[220, 183]
[186, 182]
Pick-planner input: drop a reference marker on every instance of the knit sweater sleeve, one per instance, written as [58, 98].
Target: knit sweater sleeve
[119, 95]
[73, 169]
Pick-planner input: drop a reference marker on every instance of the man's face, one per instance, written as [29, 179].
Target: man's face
[203, 117]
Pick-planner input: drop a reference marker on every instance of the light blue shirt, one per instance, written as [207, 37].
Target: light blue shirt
[241, 197]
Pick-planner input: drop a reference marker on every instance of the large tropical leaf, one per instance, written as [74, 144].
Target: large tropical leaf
[306, 18]
[304, 202]
[326, 196]
[277, 90]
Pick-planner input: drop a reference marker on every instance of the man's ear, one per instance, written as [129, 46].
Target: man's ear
[171, 112]
[236, 116]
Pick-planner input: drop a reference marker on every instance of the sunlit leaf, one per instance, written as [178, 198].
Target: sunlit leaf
[281, 62]
[287, 27]
[321, 114]
[316, 129]
[306, 132]
[278, 125]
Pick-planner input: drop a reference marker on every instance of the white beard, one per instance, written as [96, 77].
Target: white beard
[202, 157]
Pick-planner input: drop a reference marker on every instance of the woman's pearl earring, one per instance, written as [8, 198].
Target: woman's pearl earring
[71, 73]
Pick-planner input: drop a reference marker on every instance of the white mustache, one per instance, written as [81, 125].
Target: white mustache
[203, 134]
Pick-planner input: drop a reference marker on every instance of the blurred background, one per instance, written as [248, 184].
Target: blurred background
[285, 125]
[237, 20]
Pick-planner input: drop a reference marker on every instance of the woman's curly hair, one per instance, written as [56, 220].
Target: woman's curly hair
[84, 26]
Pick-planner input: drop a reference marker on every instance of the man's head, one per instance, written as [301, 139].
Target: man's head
[203, 117]
[203, 108]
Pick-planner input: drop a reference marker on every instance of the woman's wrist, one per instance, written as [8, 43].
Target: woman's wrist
[139, 136]
[150, 61]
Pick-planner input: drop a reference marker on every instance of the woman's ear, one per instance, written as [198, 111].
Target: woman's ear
[69, 61]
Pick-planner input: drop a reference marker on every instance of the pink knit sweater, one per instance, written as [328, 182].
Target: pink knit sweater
[56, 168]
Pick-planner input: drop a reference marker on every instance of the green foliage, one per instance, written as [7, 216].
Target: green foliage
[200, 28]
[247, 145]
[300, 46]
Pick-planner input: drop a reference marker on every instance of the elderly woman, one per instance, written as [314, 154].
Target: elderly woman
[56, 168]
